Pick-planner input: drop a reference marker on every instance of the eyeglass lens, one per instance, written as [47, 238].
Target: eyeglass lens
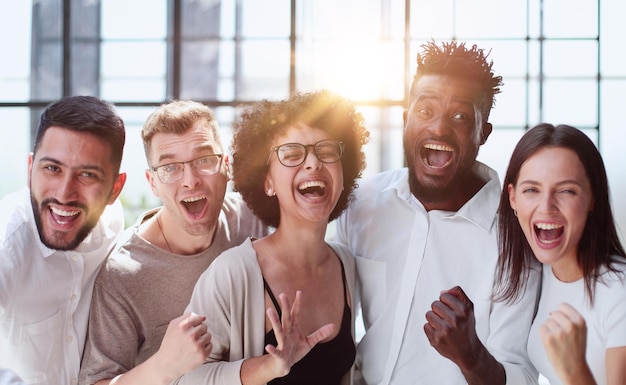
[294, 154]
[206, 165]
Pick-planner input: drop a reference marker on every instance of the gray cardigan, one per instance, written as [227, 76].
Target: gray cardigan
[231, 295]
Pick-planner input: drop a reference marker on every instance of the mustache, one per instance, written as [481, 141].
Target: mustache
[49, 201]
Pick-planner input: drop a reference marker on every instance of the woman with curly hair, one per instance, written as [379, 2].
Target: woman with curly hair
[295, 163]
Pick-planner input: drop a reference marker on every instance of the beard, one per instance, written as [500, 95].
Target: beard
[57, 239]
[438, 192]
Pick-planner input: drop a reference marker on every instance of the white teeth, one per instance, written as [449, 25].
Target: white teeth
[313, 183]
[194, 199]
[548, 226]
[438, 147]
[64, 213]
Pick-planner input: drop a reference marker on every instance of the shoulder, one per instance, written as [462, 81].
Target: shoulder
[15, 216]
[346, 256]
[382, 181]
[236, 260]
[240, 220]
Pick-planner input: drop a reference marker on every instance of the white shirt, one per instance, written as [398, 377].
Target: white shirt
[45, 294]
[606, 320]
[8, 377]
[405, 256]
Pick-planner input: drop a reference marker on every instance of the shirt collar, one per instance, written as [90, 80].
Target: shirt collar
[480, 209]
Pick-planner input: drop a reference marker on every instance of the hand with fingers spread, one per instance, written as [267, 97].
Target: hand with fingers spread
[564, 337]
[292, 345]
[451, 330]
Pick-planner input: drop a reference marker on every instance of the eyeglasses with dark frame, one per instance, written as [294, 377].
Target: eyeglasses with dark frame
[173, 172]
[294, 154]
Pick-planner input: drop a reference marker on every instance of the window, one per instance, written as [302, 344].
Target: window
[558, 62]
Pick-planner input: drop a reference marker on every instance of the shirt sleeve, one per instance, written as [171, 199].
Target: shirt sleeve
[112, 338]
[510, 325]
[616, 314]
[212, 297]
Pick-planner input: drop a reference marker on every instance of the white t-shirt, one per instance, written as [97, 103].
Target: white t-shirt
[405, 256]
[606, 320]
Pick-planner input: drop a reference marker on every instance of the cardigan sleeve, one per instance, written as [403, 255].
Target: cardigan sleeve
[230, 294]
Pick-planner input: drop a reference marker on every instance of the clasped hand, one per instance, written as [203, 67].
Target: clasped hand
[451, 328]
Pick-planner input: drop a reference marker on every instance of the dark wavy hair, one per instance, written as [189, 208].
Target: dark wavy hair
[599, 242]
[455, 59]
[86, 114]
[264, 121]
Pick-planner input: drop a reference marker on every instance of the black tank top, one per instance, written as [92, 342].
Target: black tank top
[327, 362]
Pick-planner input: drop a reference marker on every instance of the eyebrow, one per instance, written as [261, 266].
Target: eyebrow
[427, 95]
[81, 167]
[197, 150]
[560, 183]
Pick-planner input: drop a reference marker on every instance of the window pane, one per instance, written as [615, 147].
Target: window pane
[567, 18]
[340, 66]
[497, 150]
[136, 19]
[14, 152]
[510, 108]
[571, 58]
[265, 70]
[15, 37]
[133, 70]
[267, 18]
[613, 60]
[572, 102]
[384, 151]
[432, 19]
[476, 18]
[199, 63]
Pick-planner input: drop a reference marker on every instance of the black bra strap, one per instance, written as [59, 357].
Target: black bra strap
[272, 297]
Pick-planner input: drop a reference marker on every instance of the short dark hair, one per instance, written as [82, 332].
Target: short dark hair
[264, 121]
[455, 59]
[86, 114]
[599, 242]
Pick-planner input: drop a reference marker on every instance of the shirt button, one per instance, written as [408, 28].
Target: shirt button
[69, 339]
[73, 297]
[74, 258]
[73, 381]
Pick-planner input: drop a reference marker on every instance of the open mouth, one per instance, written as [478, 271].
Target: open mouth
[63, 217]
[195, 205]
[436, 155]
[316, 188]
[548, 233]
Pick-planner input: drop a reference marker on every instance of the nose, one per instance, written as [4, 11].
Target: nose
[440, 126]
[68, 188]
[311, 161]
[191, 178]
[548, 202]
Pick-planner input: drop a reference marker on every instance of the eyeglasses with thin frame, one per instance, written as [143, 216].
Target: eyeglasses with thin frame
[204, 165]
[294, 154]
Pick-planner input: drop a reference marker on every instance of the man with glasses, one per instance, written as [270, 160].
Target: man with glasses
[137, 334]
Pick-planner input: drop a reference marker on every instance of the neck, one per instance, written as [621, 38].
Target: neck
[172, 238]
[450, 199]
